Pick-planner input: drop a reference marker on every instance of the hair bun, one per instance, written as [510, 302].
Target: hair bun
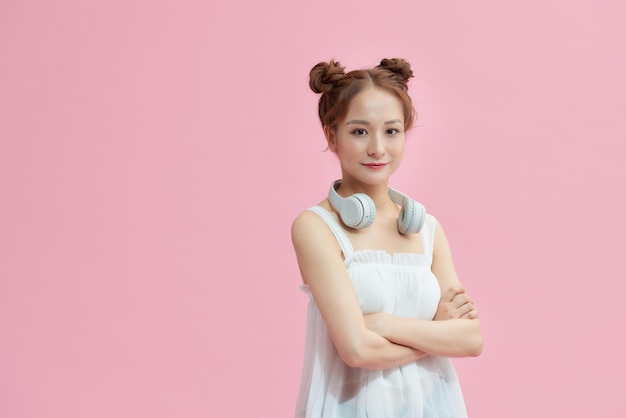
[324, 75]
[399, 67]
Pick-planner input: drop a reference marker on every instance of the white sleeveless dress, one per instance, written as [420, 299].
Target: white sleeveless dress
[400, 284]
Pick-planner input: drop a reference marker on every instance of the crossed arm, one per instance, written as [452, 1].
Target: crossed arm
[377, 341]
[322, 269]
[455, 330]
[455, 334]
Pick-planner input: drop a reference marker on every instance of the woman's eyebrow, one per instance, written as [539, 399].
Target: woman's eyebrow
[364, 122]
[357, 122]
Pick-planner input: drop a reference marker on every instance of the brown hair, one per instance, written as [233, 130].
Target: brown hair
[338, 88]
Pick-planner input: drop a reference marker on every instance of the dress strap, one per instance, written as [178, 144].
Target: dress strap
[337, 230]
[428, 234]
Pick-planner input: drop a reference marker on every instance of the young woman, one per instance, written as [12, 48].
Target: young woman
[387, 309]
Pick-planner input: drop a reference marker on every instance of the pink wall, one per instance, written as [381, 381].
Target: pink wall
[153, 155]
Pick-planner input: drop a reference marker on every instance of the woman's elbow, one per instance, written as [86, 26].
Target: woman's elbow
[352, 358]
[470, 345]
[475, 346]
[350, 353]
[357, 355]
[473, 340]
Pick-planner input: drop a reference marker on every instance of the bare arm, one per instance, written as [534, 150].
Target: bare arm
[323, 270]
[449, 338]
[455, 332]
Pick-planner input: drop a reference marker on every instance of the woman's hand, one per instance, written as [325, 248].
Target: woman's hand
[454, 304]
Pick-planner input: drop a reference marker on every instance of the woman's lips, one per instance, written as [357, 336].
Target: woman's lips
[375, 166]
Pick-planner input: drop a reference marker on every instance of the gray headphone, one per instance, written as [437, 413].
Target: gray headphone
[358, 211]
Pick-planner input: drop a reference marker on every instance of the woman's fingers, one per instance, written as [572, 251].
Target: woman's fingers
[471, 314]
[455, 303]
[461, 299]
[464, 306]
[452, 292]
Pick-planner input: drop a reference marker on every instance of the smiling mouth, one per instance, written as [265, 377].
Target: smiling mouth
[375, 165]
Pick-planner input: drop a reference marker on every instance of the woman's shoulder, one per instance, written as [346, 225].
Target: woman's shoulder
[309, 223]
[310, 234]
[305, 220]
[308, 216]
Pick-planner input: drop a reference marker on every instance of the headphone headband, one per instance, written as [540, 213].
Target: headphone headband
[359, 211]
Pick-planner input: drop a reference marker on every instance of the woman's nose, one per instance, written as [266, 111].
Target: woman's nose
[375, 147]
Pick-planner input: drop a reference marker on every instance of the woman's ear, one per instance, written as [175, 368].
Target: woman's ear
[330, 138]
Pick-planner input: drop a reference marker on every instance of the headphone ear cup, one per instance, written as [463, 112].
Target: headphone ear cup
[357, 211]
[412, 216]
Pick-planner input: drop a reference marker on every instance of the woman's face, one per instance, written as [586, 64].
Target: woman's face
[369, 141]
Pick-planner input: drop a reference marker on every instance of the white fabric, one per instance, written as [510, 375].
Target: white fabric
[400, 284]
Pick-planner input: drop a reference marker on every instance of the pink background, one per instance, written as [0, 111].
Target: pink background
[154, 153]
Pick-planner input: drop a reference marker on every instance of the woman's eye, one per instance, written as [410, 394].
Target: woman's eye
[359, 132]
[392, 131]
